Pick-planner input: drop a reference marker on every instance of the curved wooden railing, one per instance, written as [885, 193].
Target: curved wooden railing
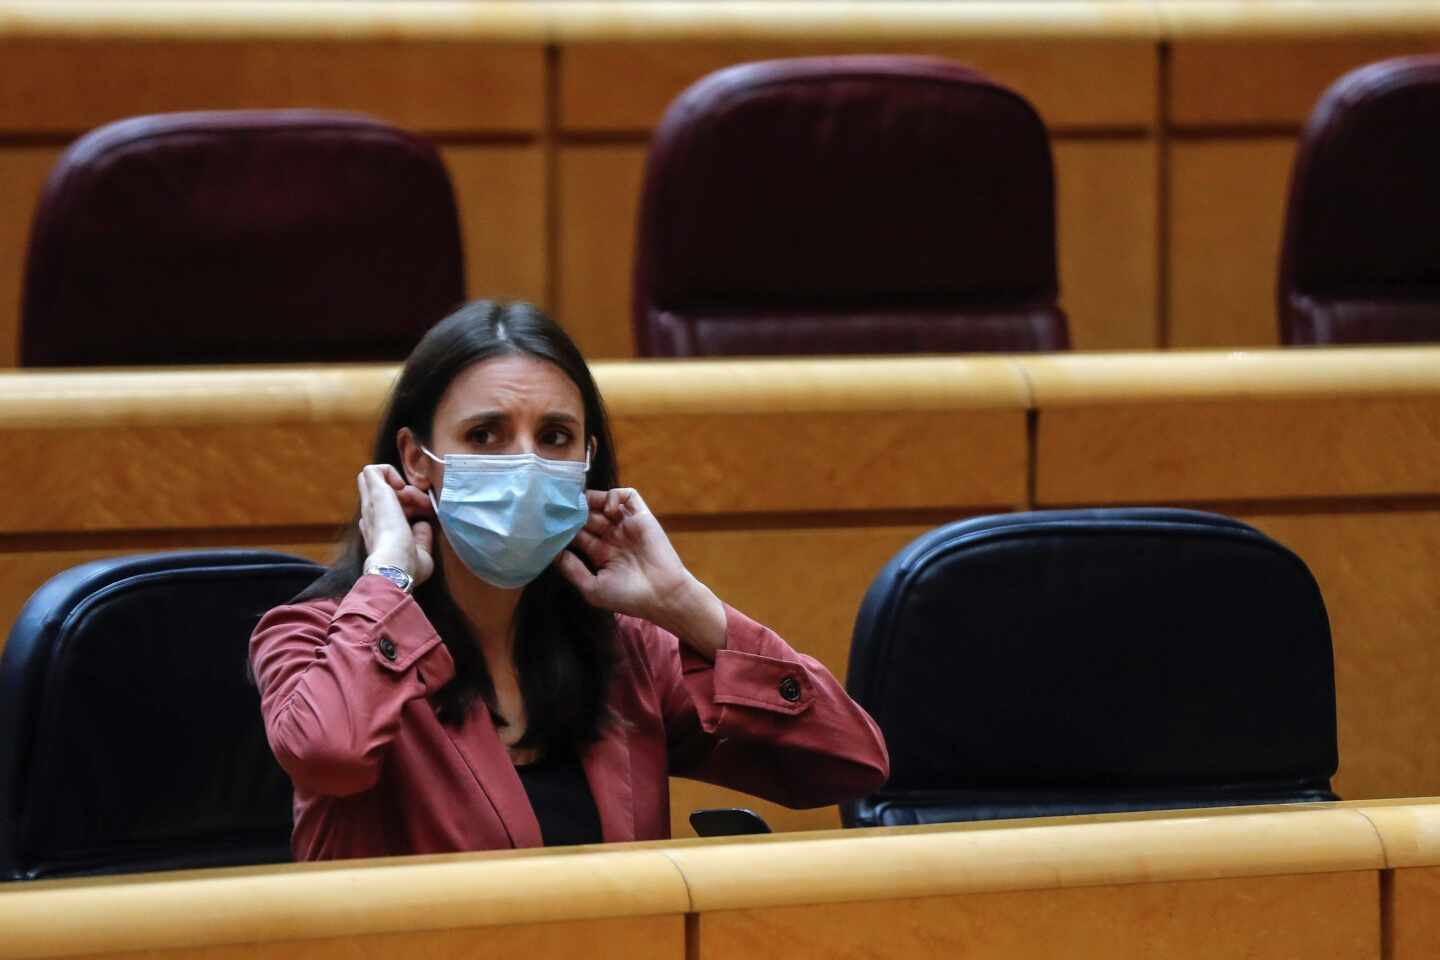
[1352, 880]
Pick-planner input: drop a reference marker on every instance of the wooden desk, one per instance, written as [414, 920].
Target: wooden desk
[1256, 882]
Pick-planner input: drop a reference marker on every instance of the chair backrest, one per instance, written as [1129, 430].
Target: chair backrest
[244, 236]
[132, 733]
[1360, 262]
[1086, 661]
[858, 204]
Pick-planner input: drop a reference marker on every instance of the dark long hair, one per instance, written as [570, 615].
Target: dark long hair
[564, 648]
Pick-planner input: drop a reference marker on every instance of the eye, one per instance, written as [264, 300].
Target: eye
[480, 436]
[556, 437]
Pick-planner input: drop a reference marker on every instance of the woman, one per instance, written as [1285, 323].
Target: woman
[482, 686]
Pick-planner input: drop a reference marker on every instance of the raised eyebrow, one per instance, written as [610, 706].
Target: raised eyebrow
[486, 416]
[558, 417]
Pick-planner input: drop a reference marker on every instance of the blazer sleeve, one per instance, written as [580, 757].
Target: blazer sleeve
[334, 678]
[762, 719]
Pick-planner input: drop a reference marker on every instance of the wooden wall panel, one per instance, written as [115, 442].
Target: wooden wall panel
[1414, 914]
[599, 191]
[806, 585]
[1226, 216]
[641, 938]
[1108, 225]
[1154, 452]
[827, 461]
[68, 86]
[1377, 572]
[1073, 82]
[500, 191]
[1329, 915]
[1269, 82]
[170, 478]
[23, 171]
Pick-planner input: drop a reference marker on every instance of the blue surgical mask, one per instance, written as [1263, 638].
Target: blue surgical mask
[507, 516]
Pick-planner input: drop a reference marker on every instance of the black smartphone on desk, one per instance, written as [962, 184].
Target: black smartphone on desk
[727, 822]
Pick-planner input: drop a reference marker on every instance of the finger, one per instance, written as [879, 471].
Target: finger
[392, 476]
[424, 535]
[380, 499]
[636, 502]
[573, 569]
[416, 504]
[612, 506]
[595, 499]
[592, 545]
[598, 524]
[364, 489]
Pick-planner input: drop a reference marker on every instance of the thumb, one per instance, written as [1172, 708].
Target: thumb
[424, 535]
[574, 570]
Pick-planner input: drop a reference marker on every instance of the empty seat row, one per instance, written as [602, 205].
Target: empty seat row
[863, 204]
[1019, 665]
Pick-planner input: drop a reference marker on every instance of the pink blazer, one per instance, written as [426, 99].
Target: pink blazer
[343, 689]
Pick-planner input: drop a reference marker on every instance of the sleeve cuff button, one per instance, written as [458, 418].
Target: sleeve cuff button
[387, 648]
[790, 689]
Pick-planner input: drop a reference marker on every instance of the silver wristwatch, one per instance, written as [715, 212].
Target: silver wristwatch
[394, 574]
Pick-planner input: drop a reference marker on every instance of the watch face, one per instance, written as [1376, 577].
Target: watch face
[395, 575]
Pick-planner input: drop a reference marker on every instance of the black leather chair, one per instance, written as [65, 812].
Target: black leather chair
[1089, 661]
[132, 737]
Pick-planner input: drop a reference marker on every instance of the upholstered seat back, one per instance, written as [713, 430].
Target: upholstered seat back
[245, 236]
[1081, 661]
[865, 204]
[132, 734]
[1361, 256]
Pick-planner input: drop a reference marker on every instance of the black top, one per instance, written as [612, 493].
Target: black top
[562, 800]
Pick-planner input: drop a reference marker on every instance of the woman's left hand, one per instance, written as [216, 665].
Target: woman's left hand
[639, 573]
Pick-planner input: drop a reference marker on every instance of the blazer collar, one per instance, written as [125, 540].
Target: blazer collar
[607, 769]
[479, 744]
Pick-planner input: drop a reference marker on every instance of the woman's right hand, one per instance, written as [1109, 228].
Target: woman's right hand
[395, 522]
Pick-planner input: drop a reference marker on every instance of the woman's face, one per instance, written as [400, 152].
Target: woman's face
[509, 404]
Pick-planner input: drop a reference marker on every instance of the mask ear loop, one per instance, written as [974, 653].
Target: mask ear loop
[431, 492]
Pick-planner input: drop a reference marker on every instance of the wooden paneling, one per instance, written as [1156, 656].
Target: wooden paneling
[501, 195]
[67, 86]
[1414, 914]
[257, 447]
[618, 86]
[168, 478]
[1209, 451]
[1226, 216]
[642, 938]
[1329, 915]
[1377, 572]
[599, 189]
[827, 461]
[22, 175]
[1107, 237]
[1269, 82]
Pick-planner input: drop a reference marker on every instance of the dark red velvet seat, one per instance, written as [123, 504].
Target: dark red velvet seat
[863, 204]
[246, 236]
[1361, 256]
